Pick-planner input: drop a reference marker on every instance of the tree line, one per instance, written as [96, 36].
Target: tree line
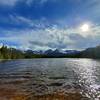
[12, 53]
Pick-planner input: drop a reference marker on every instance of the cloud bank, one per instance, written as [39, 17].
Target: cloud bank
[53, 37]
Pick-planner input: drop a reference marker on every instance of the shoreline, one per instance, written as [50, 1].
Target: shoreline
[11, 94]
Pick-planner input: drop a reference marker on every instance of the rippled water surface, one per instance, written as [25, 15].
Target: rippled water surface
[27, 78]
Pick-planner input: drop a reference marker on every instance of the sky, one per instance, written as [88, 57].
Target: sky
[50, 24]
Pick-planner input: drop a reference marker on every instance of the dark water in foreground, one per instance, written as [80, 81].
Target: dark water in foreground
[24, 79]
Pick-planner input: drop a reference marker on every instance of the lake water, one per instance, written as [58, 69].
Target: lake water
[46, 76]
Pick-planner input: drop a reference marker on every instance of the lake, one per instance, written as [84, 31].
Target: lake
[50, 79]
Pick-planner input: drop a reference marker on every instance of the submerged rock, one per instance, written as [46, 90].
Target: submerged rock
[55, 84]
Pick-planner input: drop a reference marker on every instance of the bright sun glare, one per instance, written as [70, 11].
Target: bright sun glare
[85, 28]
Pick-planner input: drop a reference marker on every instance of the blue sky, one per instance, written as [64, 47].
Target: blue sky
[49, 24]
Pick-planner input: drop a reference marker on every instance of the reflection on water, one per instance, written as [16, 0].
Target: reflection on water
[71, 77]
[88, 72]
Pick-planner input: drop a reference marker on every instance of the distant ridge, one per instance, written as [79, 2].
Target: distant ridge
[91, 52]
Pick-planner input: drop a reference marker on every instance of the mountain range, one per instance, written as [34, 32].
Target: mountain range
[93, 52]
[11, 53]
[54, 53]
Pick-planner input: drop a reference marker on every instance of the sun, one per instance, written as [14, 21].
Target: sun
[85, 28]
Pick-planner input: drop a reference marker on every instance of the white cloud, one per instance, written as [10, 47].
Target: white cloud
[29, 23]
[51, 37]
[8, 2]
[41, 2]
[91, 9]
[13, 2]
[48, 38]
[21, 20]
[29, 2]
